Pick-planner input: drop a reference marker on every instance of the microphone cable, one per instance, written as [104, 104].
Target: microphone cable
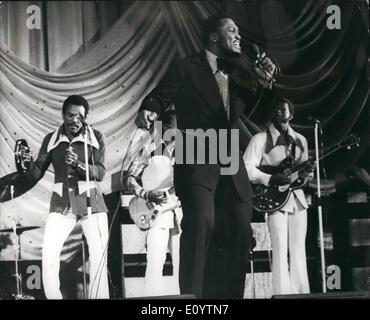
[105, 252]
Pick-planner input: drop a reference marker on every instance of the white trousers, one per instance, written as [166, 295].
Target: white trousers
[57, 229]
[158, 240]
[289, 231]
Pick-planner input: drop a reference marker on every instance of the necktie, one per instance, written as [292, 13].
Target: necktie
[223, 85]
[224, 65]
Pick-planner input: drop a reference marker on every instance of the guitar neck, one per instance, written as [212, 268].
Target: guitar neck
[348, 142]
[302, 166]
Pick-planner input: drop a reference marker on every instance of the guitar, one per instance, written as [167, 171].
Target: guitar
[274, 197]
[144, 213]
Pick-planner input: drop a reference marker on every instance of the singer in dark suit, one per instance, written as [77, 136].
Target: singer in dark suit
[217, 207]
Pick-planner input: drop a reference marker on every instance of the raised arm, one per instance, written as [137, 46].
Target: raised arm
[39, 166]
[16, 184]
[160, 98]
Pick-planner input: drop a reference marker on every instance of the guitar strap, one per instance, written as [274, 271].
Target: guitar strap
[291, 145]
[269, 142]
[164, 150]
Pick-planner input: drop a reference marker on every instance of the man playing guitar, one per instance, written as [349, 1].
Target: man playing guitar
[288, 225]
[150, 177]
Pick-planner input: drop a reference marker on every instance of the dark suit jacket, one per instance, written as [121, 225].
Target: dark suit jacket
[191, 86]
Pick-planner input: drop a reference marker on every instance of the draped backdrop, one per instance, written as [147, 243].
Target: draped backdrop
[114, 53]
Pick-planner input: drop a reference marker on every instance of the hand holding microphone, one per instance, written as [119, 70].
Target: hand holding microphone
[265, 69]
[71, 158]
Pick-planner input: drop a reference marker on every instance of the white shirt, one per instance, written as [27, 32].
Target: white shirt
[255, 156]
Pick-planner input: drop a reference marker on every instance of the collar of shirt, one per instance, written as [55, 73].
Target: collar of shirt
[275, 133]
[59, 136]
[212, 60]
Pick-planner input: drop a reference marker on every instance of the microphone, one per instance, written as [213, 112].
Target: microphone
[256, 49]
[313, 119]
[82, 119]
[271, 71]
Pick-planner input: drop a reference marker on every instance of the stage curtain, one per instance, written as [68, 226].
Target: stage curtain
[114, 74]
[115, 61]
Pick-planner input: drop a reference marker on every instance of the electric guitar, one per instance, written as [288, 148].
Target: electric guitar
[144, 213]
[272, 198]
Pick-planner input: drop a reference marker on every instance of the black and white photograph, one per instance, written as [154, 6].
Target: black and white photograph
[184, 150]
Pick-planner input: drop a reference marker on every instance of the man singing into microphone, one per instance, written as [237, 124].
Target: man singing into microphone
[64, 149]
[208, 97]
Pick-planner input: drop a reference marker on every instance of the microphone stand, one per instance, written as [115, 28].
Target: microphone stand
[88, 195]
[319, 207]
[17, 275]
[253, 283]
[84, 266]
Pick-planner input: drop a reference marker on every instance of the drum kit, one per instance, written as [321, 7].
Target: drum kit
[17, 230]
[12, 186]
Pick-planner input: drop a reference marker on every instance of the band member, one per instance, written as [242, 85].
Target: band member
[149, 175]
[216, 230]
[287, 226]
[64, 149]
